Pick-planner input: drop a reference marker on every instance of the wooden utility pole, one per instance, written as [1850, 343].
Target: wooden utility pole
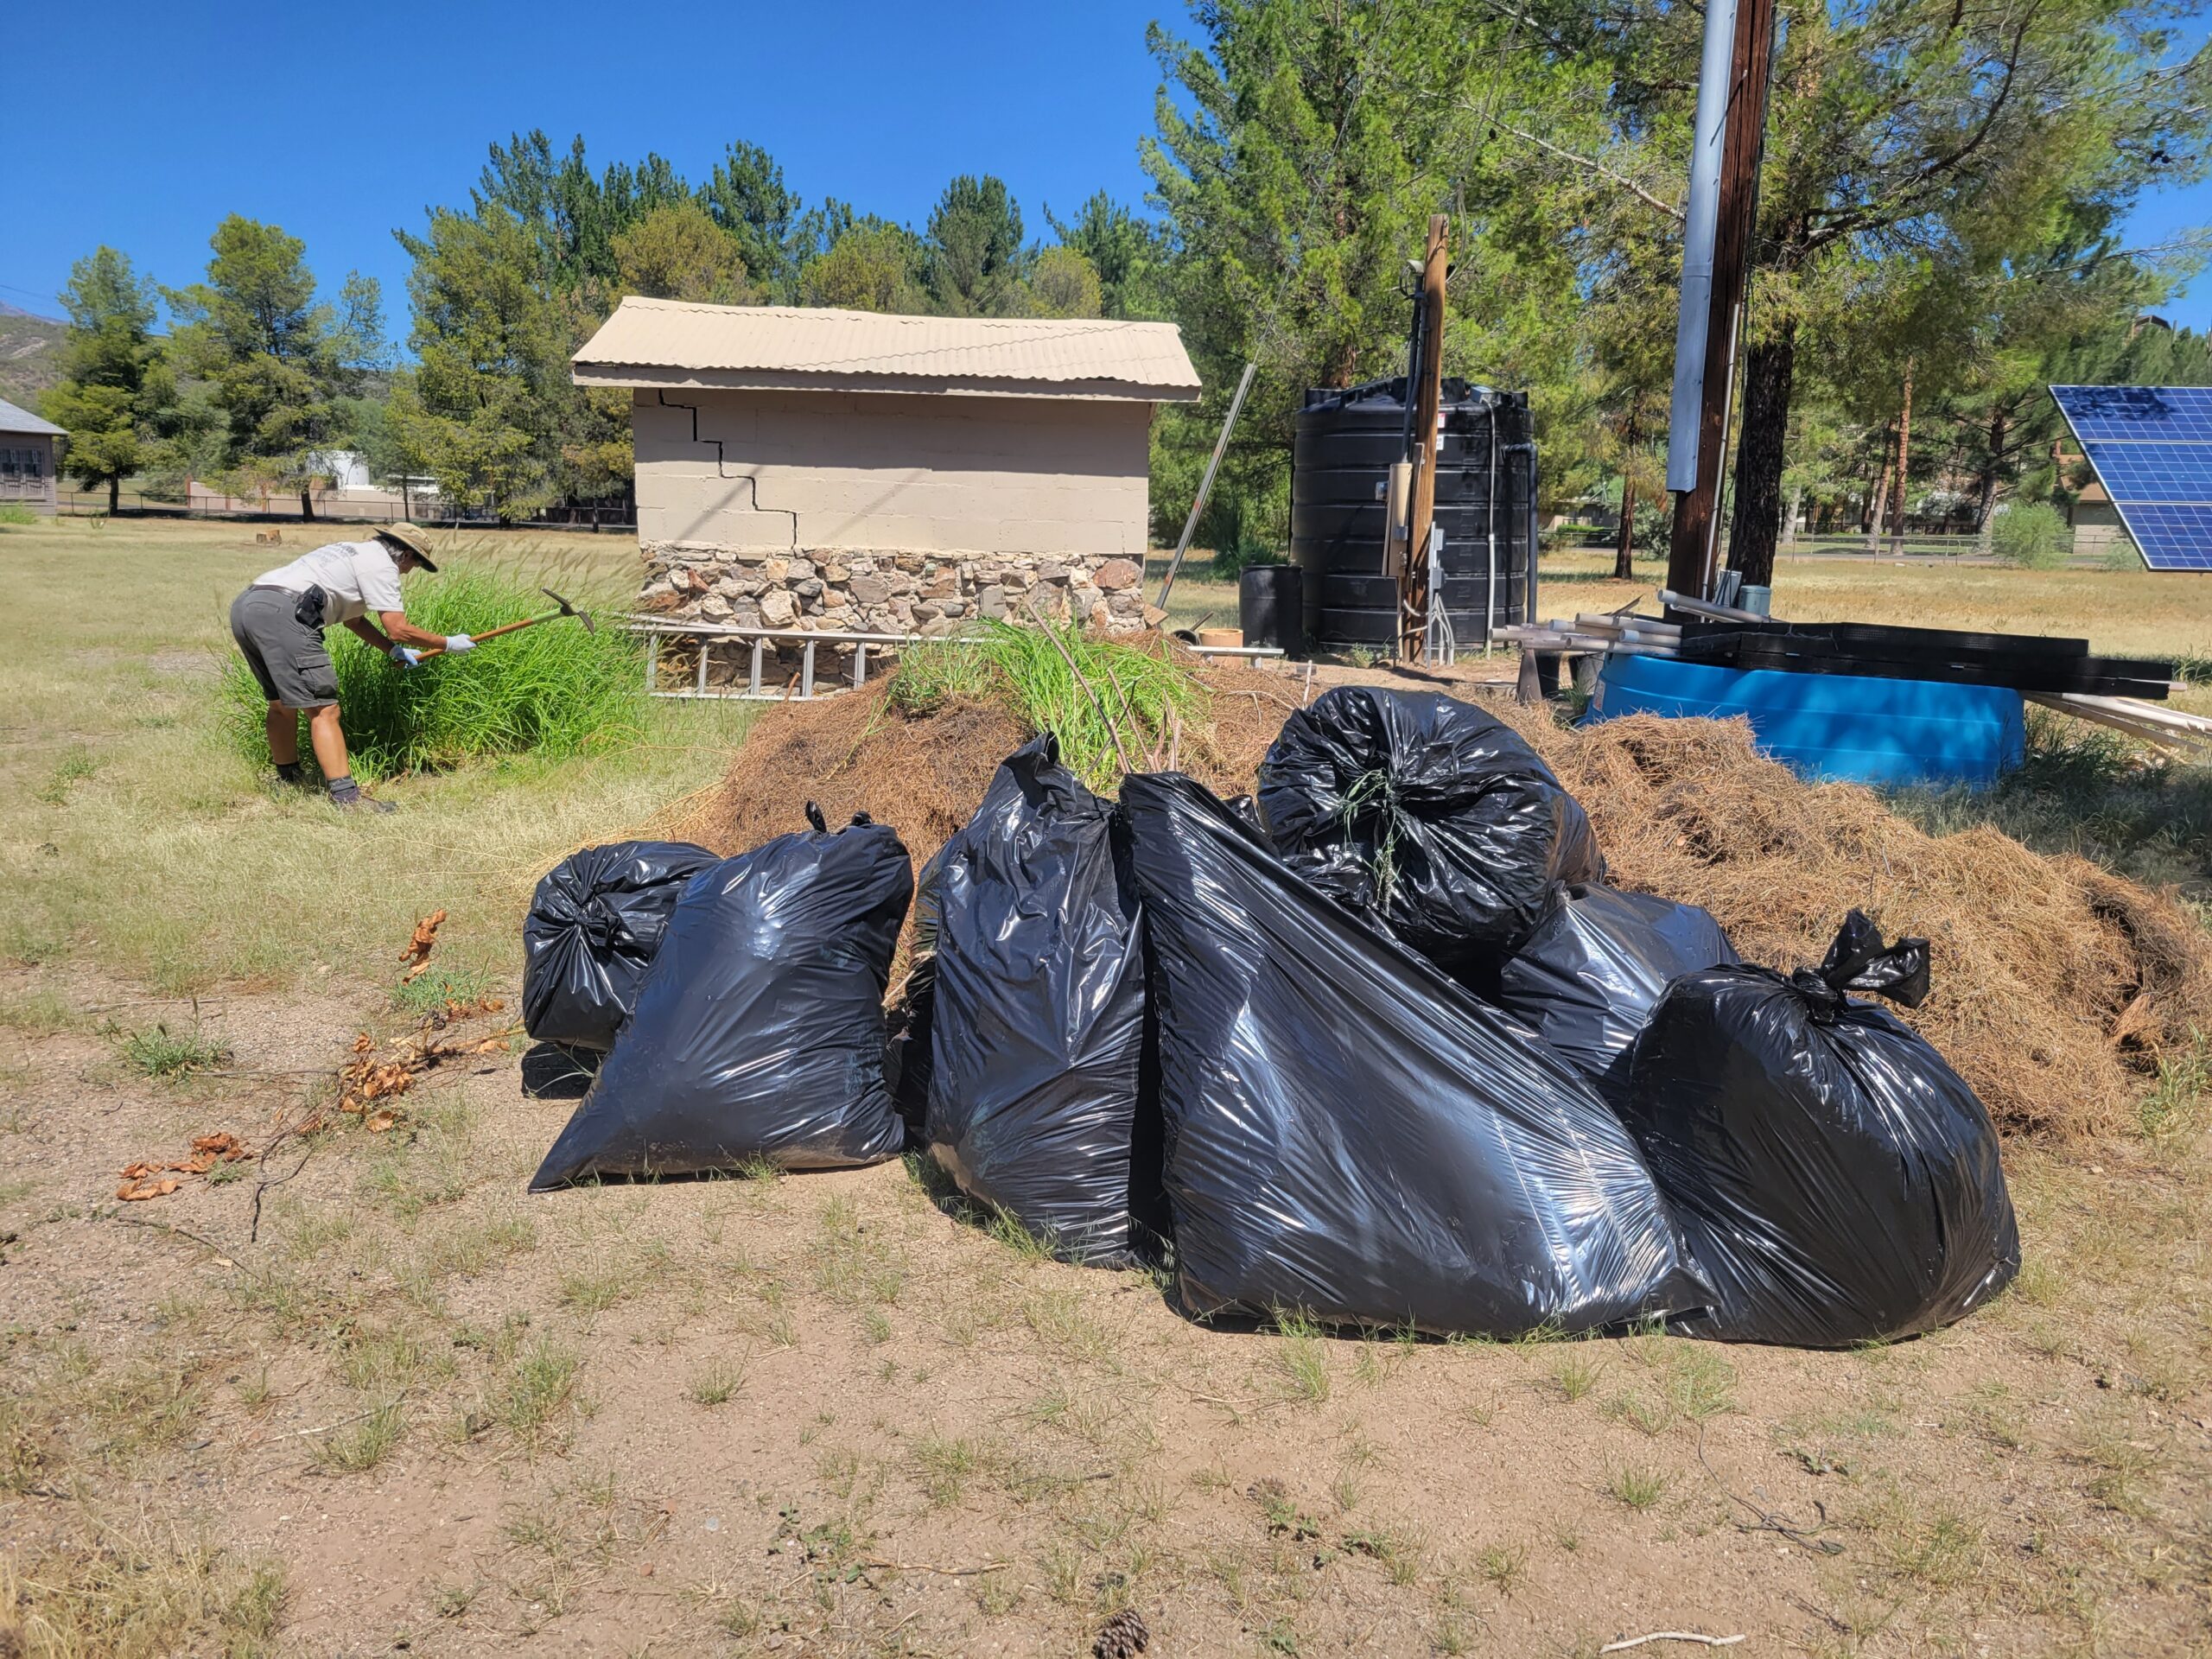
[1428, 395]
[1690, 554]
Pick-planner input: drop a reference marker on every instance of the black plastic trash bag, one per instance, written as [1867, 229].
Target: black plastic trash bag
[759, 1032]
[594, 925]
[1428, 813]
[1836, 1181]
[1350, 1134]
[1037, 1014]
[1589, 976]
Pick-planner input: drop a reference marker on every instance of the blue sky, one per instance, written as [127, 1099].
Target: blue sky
[341, 132]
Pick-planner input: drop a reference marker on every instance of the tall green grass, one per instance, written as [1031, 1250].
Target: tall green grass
[553, 690]
[1123, 690]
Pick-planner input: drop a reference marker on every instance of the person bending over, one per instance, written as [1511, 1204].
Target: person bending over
[278, 625]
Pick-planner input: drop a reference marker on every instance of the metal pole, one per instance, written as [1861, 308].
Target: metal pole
[1206, 485]
[1691, 548]
[1701, 212]
[1489, 595]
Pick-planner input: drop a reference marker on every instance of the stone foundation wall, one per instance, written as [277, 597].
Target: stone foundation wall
[885, 591]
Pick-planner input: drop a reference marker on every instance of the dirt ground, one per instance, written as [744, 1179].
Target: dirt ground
[423, 1411]
[413, 1409]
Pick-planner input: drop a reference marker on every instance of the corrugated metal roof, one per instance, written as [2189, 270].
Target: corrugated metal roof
[673, 342]
[13, 419]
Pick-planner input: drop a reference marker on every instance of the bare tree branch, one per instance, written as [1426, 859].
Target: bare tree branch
[1591, 165]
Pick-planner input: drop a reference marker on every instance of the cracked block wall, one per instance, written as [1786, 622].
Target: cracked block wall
[889, 512]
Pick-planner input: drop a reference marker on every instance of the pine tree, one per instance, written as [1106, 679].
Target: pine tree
[114, 386]
[280, 363]
[972, 255]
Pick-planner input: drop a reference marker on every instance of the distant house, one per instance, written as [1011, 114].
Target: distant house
[26, 456]
[2097, 528]
[2095, 521]
[850, 470]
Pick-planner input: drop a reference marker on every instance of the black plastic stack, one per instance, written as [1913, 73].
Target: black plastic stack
[1948, 656]
[1341, 456]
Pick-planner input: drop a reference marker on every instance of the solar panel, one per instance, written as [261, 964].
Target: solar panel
[2152, 448]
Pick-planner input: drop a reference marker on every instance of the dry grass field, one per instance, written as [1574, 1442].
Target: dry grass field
[362, 1395]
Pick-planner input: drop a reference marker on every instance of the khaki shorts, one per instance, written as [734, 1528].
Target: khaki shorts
[287, 656]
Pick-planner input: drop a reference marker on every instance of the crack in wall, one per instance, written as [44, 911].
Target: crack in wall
[751, 481]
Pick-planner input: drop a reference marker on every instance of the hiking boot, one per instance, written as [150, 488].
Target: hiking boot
[351, 799]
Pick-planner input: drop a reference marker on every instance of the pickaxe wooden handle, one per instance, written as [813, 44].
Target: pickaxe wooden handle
[567, 609]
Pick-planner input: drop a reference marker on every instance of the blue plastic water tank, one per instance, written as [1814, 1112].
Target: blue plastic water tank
[1834, 725]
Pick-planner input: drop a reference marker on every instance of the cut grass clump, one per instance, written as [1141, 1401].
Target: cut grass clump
[554, 690]
[1086, 691]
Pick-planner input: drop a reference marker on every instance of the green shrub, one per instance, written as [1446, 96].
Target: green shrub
[15, 512]
[2032, 535]
[553, 690]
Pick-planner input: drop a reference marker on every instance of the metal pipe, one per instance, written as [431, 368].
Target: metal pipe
[1702, 219]
[1489, 595]
[1528, 447]
[1205, 483]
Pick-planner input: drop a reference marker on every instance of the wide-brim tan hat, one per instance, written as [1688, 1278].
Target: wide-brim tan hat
[414, 539]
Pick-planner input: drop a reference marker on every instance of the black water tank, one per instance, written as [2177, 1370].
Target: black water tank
[1340, 465]
[1269, 606]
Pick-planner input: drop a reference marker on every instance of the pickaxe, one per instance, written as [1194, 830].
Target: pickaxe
[566, 609]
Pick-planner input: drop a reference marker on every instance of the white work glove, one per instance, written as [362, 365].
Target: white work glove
[459, 642]
[405, 658]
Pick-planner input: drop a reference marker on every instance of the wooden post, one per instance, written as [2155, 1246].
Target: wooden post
[1691, 549]
[1428, 395]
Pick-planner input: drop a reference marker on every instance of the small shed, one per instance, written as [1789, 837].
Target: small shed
[26, 458]
[823, 468]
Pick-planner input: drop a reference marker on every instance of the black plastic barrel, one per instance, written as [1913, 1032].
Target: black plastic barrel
[1340, 467]
[1270, 606]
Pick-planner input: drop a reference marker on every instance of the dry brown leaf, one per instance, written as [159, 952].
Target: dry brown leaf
[139, 1192]
[139, 1171]
[199, 1164]
[417, 956]
[380, 1122]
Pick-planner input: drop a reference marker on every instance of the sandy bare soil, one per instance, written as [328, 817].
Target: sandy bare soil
[422, 1412]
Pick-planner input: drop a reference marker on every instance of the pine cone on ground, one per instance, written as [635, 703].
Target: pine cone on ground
[1122, 1636]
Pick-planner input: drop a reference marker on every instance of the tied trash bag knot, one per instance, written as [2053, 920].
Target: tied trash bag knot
[1431, 818]
[594, 925]
[1859, 961]
[820, 825]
